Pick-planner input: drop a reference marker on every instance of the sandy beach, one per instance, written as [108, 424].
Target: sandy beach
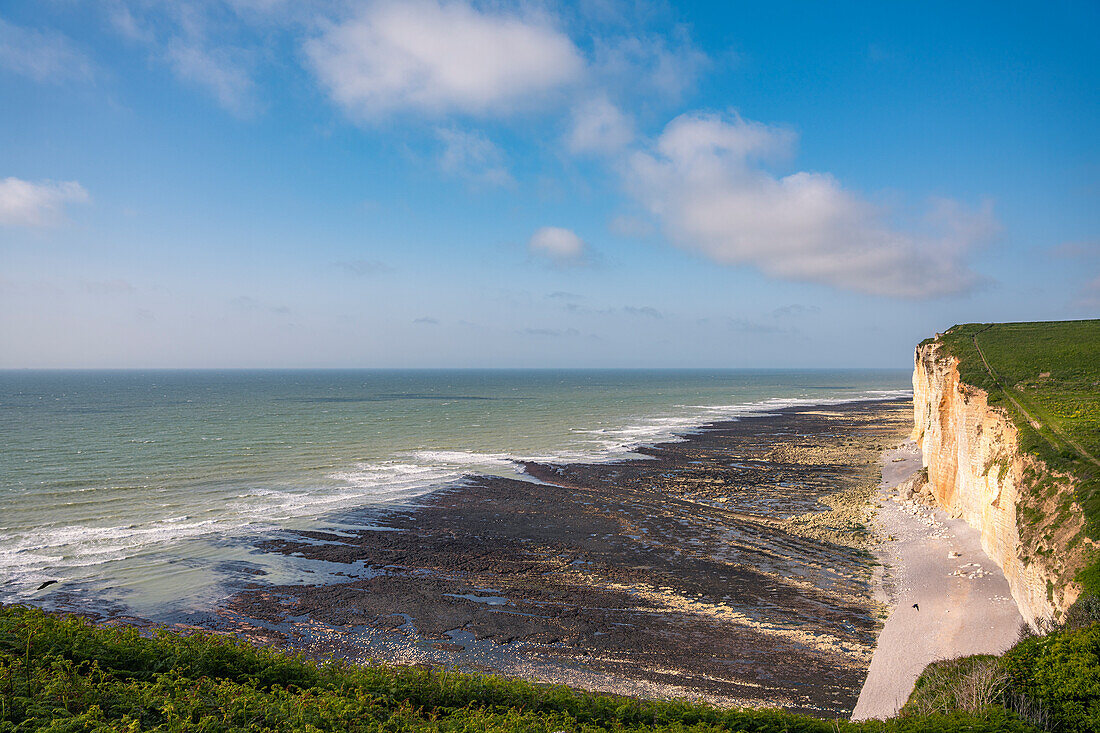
[946, 597]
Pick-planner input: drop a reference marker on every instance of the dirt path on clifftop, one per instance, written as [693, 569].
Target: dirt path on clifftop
[1054, 427]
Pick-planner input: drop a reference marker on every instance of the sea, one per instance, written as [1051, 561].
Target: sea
[148, 493]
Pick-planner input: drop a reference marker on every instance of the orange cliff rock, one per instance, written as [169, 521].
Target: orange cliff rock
[977, 472]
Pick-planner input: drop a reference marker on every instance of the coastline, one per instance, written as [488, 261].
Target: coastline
[260, 453]
[963, 602]
[708, 568]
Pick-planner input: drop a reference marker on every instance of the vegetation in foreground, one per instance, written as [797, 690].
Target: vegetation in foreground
[1052, 371]
[61, 673]
[1053, 681]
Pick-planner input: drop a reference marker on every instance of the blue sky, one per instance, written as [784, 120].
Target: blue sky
[265, 183]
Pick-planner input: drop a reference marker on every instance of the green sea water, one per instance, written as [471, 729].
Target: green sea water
[147, 491]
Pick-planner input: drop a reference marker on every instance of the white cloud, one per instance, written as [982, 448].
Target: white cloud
[23, 203]
[704, 181]
[599, 127]
[441, 57]
[41, 55]
[471, 155]
[215, 70]
[560, 245]
[125, 22]
[661, 68]
[212, 46]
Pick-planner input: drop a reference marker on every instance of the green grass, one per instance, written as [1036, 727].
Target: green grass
[1052, 369]
[61, 673]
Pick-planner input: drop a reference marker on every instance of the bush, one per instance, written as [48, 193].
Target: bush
[969, 684]
[1060, 673]
[60, 673]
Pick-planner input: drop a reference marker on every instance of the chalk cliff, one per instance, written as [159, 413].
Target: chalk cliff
[977, 472]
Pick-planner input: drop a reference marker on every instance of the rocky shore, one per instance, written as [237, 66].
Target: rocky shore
[731, 567]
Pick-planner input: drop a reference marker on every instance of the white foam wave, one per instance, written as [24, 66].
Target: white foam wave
[49, 552]
[615, 442]
[463, 458]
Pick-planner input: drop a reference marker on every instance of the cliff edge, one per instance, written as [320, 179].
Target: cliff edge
[983, 465]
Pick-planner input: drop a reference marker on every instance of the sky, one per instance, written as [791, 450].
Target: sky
[436, 183]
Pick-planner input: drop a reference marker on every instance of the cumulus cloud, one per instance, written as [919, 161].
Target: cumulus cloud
[599, 127]
[558, 244]
[704, 179]
[28, 204]
[45, 56]
[439, 57]
[471, 155]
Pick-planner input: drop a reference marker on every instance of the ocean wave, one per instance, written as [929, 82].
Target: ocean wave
[462, 458]
[430, 469]
[29, 557]
[615, 442]
[46, 552]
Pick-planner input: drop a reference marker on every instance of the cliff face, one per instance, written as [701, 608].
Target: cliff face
[977, 472]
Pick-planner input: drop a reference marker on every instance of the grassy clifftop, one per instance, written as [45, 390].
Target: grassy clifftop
[1046, 376]
[1052, 369]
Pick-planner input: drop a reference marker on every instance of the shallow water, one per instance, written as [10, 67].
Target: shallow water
[146, 489]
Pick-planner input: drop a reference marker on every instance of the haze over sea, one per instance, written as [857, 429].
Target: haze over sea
[145, 492]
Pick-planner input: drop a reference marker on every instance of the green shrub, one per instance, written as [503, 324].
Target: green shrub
[61, 673]
[1060, 672]
[968, 684]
